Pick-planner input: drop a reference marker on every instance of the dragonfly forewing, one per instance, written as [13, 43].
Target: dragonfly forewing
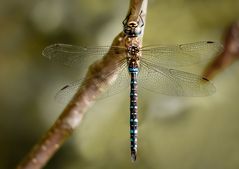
[77, 56]
[181, 55]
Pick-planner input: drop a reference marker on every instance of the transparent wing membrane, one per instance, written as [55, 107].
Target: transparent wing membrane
[173, 82]
[122, 82]
[181, 55]
[71, 55]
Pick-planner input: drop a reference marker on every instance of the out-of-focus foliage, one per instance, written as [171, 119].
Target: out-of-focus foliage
[174, 133]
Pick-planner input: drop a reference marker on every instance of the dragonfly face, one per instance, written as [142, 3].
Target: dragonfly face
[132, 29]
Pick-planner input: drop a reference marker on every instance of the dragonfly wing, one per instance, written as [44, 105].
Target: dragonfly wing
[122, 81]
[173, 82]
[120, 84]
[181, 55]
[71, 55]
[65, 94]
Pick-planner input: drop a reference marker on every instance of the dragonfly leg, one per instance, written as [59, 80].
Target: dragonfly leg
[126, 19]
[141, 19]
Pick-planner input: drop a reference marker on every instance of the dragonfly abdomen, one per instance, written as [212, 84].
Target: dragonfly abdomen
[133, 112]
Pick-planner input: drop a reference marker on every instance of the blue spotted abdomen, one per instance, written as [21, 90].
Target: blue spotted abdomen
[133, 112]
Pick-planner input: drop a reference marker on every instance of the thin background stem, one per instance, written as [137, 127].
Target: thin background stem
[229, 55]
[73, 114]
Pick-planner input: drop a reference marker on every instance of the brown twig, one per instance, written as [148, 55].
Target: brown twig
[81, 102]
[229, 55]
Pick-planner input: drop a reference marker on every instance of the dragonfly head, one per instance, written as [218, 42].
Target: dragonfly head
[132, 29]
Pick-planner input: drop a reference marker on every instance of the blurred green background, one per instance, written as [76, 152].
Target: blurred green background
[174, 133]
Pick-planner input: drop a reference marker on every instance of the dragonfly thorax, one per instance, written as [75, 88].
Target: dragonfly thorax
[133, 52]
[133, 49]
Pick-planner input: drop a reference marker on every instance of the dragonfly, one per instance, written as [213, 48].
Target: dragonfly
[154, 68]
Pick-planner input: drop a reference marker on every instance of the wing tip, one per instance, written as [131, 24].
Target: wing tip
[211, 88]
[218, 47]
[44, 52]
[49, 50]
